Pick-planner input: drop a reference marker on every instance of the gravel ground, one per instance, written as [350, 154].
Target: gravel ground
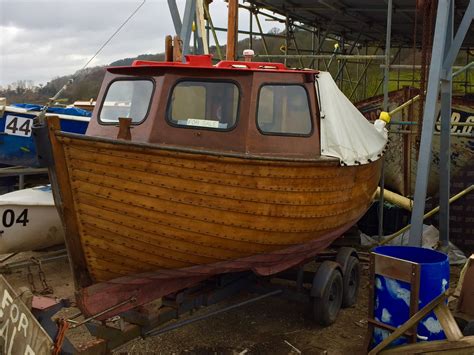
[270, 326]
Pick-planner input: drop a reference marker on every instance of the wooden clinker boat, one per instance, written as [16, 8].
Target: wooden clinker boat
[196, 170]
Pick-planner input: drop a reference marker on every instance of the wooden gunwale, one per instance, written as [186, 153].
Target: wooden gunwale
[149, 148]
[187, 162]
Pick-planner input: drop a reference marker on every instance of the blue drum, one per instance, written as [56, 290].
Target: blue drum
[392, 297]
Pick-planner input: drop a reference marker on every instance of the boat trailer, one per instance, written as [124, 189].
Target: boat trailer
[325, 285]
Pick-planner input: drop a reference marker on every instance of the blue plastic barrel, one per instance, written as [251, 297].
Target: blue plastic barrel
[392, 297]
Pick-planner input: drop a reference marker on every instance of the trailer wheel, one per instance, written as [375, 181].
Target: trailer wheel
[351, 280]
[326, 307]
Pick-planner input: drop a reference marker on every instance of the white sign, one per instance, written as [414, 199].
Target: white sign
[18, 126]
[202, 123]
[20, 332]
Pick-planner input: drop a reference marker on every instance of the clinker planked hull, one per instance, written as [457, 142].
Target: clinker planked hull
[135, 208]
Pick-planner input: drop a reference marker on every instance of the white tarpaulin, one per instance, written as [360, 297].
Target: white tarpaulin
[345, 132]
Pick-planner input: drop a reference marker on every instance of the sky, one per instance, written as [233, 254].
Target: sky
[43, 39]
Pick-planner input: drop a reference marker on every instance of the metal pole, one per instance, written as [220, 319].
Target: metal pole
[464, 68]
[264, 41]
[21, 182]
[213, 30]
[385, 106]
[210, 314]
[351, 49]
[429, 117]
[175, 16]
[250, 29]
[445, 139]
[186, 29]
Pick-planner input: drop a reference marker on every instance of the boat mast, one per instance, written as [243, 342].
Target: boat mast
[232, 25]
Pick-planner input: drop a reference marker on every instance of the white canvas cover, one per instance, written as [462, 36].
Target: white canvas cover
[345, 132]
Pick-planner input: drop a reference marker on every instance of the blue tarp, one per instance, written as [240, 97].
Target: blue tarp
[58, 110]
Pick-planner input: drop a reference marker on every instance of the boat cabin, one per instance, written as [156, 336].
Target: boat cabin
[243, 107]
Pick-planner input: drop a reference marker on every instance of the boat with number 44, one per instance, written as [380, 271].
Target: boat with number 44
[17, 146]
[189, 170]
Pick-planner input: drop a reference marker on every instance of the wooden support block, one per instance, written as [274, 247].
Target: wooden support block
[447, 322]
[444, 347]
[466, 297]
[394, 268]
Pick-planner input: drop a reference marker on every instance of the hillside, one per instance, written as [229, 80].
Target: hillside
[87, 82]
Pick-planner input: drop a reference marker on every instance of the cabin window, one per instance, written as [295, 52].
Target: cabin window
[126, 98]
[204, 104]
[284, 110]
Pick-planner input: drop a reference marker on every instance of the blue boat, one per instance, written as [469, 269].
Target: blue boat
[17, 146]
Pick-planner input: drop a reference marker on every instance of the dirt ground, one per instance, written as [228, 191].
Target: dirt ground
[270, 326]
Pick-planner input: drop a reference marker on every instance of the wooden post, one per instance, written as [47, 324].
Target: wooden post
[232, 26]
[124, 128]
[177, 49]
[168, 48]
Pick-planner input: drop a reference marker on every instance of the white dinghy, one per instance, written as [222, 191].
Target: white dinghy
[29, 220]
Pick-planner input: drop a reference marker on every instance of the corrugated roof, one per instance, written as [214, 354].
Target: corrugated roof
[349, 17]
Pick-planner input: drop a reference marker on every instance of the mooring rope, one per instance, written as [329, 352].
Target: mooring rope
[42, 114]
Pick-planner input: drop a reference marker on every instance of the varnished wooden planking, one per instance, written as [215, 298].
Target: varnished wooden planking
[318, 182]
[221, 234]
[131, 256]
[170, 209]
[172, 248]
[218, 218]
[183, 198]
[113, 221]
[203, 188]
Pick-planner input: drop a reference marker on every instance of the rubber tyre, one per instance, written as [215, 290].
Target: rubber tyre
[351, 282]
[326, 308]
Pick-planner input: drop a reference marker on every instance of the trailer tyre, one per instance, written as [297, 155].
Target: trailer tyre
[351, 281]
[326, 307]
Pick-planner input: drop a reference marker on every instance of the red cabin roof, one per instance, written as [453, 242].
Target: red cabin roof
[205, 61]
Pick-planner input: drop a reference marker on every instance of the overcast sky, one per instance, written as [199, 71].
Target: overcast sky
[43, 39]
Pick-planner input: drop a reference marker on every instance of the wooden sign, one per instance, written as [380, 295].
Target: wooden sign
[20, 332]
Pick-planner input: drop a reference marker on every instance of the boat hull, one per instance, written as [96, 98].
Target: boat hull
[29, 221]
[138, 207]
[19, 149]
[402, 156]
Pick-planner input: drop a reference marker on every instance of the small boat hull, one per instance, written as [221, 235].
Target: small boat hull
[29, 221]
[402, 156]
[17, 146]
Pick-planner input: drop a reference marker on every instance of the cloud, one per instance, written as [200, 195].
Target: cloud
[43, 39]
